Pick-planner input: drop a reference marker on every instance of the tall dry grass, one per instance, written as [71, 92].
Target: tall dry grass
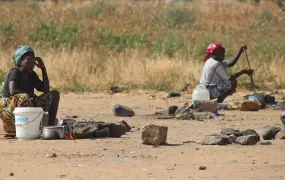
[83, 70]
[87, 63]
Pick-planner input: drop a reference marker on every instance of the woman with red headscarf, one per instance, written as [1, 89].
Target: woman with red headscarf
[215, 77]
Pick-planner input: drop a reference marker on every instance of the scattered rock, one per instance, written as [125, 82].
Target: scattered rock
[172, 110]
[185, 114]
[269, 132]
[188, 142]
[280, 134]
[11, 174]
[249, 132]
[216, 139]
[248, 139]
[123, 111]
[52, 155]
[173, 94]
[115, 89]
[250, 106]
[117, 129]
[154, 134]
[231, 131]
[202, 115]
[264, 143]
[202, 168]
[206, 106]
[127, 125]
[232, 138]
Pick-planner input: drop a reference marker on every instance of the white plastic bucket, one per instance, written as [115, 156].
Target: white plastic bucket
[28, 122]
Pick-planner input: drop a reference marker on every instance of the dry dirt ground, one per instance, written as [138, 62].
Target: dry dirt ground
[126, 157]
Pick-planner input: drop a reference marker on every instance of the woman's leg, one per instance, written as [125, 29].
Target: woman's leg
[228, 92]
[7, 106]
[54, 107]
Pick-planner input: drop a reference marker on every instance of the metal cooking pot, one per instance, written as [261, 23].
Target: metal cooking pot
[53, 132]
[256, 96]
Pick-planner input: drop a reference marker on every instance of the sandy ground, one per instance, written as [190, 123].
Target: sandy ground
[126, 157]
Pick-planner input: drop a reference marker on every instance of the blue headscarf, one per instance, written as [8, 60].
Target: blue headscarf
[21, 50]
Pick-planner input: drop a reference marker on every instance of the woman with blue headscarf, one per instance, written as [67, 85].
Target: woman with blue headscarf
[19, 86]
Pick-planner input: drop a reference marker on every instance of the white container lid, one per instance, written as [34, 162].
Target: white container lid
[28, 110]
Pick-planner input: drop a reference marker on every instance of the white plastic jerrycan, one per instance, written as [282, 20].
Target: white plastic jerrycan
[200, 93]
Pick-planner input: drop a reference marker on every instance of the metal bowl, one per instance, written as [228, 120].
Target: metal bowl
[53, 132]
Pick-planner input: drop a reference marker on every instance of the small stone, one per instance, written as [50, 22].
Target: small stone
[123, 111]
[248, 140]
[172, 110]
[154, 134]
[173, 94]
[188, 141]
[216, 139]
[202, 168]
[280, 134]
[269, 132]
[264, 143]
[11, 174]
[52, 155]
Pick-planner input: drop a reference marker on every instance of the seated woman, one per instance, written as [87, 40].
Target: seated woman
[18, 90]
[215, 77]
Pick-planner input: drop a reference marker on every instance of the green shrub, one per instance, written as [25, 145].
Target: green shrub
[98, 9]
[202, 44]
[180, 17]
[120, 42]
[47, 34]
[266, 15]
[169, 44]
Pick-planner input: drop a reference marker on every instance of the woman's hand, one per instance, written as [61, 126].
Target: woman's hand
[40, 63]
[243, 48]
[249, 72]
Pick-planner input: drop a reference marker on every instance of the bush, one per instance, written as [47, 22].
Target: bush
[98, 9]
[202, 44]
[47, 34]
[120, 42]
[7, 34]
[180, 17]
[169, 43]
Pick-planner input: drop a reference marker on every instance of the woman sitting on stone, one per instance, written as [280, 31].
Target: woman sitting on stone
[215, 77]
[18, 90]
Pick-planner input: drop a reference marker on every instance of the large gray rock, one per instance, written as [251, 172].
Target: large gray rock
[117, 129]
[229, 131]
[216, 139]
[248, 139]
[249, 132]
[207, 106]
[232, 138]
[269, 132]
[280, 134]
[123, 111]
[154, 134]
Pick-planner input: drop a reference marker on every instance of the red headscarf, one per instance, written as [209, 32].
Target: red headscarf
[213, 48]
